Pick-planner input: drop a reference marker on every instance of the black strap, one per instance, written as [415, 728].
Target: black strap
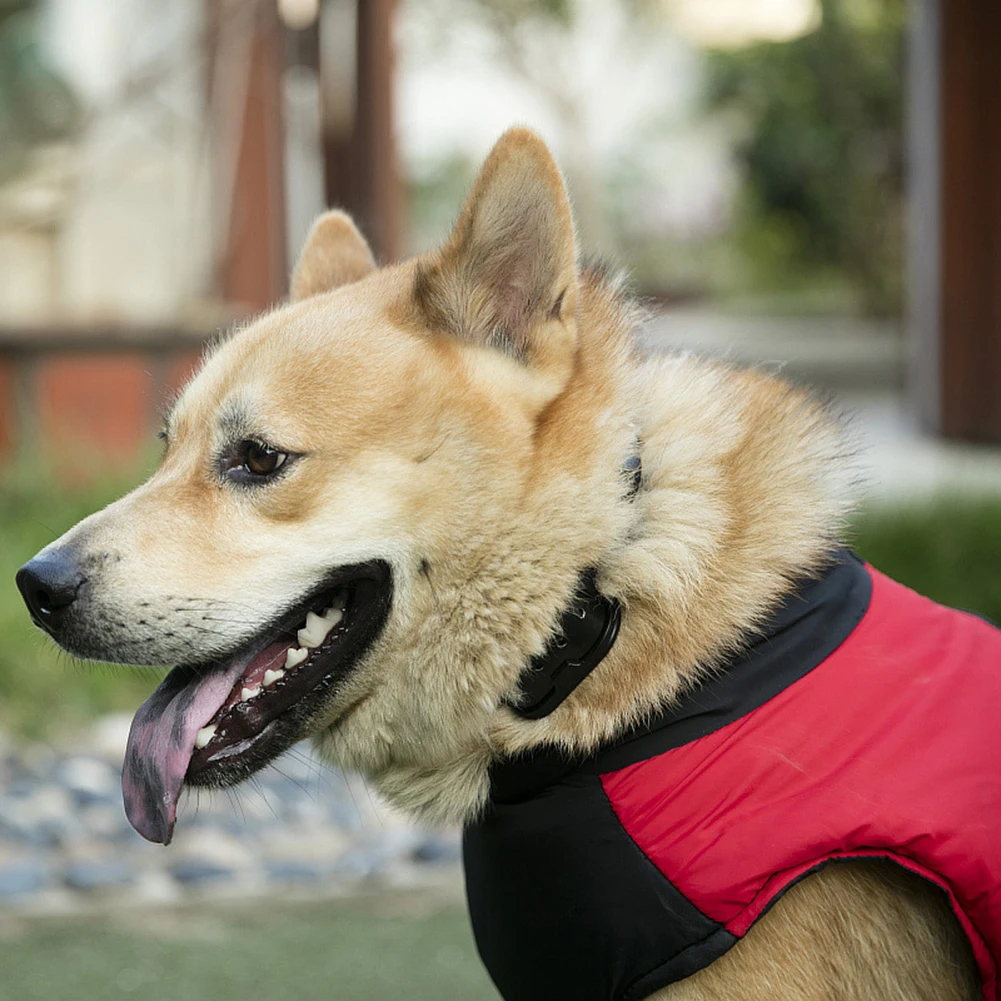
[586, 633]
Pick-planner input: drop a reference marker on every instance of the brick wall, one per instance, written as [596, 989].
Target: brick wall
[89, 401]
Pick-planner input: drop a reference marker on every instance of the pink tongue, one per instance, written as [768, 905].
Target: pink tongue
[162, 740]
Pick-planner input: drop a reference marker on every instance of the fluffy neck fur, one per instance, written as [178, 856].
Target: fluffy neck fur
[743, 491]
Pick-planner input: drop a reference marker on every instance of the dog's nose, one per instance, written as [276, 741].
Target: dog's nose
[49, 584]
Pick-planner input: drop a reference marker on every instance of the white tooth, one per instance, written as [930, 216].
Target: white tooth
[204, 735]
[315, 631]
[332, 616]
[250, 693]
[295, 656]
[270, 677]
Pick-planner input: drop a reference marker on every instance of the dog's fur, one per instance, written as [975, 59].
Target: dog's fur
[465, 417]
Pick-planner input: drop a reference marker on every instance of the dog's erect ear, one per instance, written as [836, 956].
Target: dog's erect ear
[335, 254]
[506, 277]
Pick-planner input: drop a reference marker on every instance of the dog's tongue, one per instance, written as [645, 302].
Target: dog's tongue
[162, 740]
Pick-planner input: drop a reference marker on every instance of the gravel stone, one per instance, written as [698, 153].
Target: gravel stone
[195, 871]
[293, 871]
[64, 834]
[22, 879]
[97, 875]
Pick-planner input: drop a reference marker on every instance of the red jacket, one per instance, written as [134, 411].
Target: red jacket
[655, 856]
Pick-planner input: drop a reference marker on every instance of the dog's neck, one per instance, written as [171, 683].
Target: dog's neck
[743, 491]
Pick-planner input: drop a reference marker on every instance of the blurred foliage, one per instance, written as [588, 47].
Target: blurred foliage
[36, 105]
[433, 199]
[349, 952]
[43, 691]
[792, 158]
[823, 149]
[515, 12]
[948, 549]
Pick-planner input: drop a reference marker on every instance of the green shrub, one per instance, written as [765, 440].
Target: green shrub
[823, 151]
[948, 549]
[43, 691]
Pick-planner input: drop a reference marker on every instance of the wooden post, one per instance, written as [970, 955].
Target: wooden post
[362, 175]
[971, 219]
[956, 204]
[247, 47]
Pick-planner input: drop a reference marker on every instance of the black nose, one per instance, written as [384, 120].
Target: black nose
[49, 584]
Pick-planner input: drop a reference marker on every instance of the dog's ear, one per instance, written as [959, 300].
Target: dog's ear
[506, 276]
[335, 254]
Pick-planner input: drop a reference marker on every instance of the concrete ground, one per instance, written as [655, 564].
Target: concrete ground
[860, 362]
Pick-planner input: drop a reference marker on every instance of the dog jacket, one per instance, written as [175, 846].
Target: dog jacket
[863, 723]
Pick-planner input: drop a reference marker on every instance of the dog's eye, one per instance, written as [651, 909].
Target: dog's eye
[253, 462]
[261, 460]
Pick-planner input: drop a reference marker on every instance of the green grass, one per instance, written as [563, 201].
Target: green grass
[308, 953]
[43, 690]
[949, 549]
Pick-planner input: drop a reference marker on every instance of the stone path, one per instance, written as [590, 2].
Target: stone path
[299, 828]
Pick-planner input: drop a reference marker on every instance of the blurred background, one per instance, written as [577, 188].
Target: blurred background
[807, 185]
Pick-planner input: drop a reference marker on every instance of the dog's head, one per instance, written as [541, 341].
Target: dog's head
[338, 539]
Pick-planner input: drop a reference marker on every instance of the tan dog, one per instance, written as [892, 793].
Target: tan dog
[374, 504]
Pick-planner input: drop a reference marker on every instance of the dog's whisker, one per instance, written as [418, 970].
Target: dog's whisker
[288, 778]
[375, 810]
[316, 767]
[316, 770]
[212, 614]
[197, 609]
[209, 604]
[205, 629]
[262, 792]
[48, 528]
[354, 801]
[233, 622]
[233, 794]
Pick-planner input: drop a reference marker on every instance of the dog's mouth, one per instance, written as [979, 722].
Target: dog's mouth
[216, 724]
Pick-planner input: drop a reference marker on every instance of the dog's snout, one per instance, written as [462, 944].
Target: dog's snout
[49, 584]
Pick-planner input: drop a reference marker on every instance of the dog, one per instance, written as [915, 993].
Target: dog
[444, 518]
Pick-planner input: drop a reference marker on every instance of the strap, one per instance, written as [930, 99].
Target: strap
[586, 633]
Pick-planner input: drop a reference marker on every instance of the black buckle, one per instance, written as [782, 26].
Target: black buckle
[587, 631]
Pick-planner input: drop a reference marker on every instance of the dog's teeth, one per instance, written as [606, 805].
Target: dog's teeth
[314, 632]
[250, 693]
[295, 656]
[318, 627]
[270, 677]
[204, 735]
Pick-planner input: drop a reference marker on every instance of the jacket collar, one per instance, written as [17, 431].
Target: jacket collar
[812, 621]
